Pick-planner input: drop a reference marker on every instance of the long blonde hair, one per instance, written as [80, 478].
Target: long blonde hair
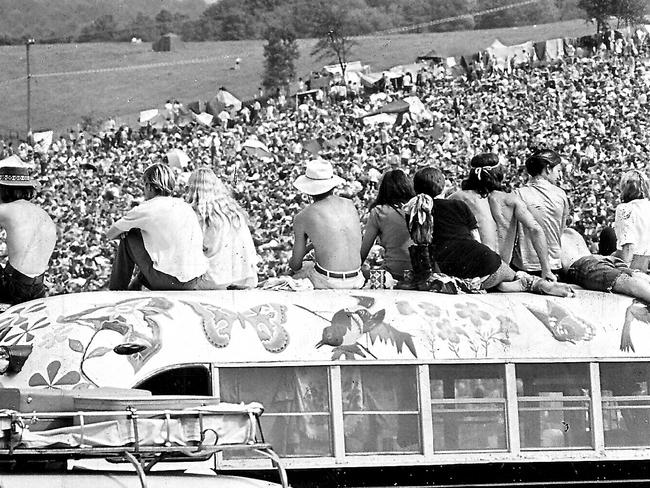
[212, 200]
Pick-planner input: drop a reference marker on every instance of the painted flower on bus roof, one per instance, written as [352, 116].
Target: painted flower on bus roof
[471, 311]
[19, 325]
[54, 380]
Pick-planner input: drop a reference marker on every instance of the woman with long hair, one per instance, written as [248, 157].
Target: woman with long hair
[227, 241]
[632, 221]
[386, 221]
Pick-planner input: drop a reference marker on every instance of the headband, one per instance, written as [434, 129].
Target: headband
[479, 171]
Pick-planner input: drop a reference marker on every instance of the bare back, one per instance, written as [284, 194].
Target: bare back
[480, 207]
[503, 213]
[31, 236]
[333, 227]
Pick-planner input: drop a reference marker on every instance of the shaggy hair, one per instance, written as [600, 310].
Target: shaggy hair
[212, 201]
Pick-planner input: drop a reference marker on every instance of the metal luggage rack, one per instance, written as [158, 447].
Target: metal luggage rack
[142, 457]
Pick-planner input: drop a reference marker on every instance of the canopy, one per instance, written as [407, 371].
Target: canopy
[223, 100]
[176, 158]
[256, 148]
[394, 107]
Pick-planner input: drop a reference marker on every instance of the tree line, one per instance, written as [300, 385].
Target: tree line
[251, 19]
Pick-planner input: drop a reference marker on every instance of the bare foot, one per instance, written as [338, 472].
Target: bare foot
[554, 288]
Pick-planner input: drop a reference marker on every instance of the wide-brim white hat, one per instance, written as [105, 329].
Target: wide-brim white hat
[319, 178]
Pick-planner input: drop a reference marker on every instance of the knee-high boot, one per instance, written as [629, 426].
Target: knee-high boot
[422, 267]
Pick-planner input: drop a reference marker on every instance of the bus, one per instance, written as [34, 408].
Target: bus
[359, 384]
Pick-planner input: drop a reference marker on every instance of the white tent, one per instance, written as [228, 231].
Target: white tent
[148, 115]
[176, 158]
[418, 110]
[42, 140]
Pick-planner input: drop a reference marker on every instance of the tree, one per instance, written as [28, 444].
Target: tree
[280, 55]
[334, 30]
[630, 12]
[164, 20]
[102, 29]
[598, 11]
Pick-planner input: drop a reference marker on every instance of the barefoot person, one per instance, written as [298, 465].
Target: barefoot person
[31, 236]
[331, 225]
[499, 214]
[550, 207]
[162, 237]
[601, 273]
[446, 228]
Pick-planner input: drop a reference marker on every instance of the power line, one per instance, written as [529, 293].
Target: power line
[407, 28]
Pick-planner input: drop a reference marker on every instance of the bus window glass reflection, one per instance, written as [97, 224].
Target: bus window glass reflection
[554, 405]
[626, 404]
[468, 407]
[296, 418]
[380, 409]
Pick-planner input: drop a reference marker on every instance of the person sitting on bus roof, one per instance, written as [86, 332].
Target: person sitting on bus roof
[332, 226]
[550, 207]
[448, 232]
[227, 241]
[600, 273]
[31, 236]
[499, 213]
[162, 237]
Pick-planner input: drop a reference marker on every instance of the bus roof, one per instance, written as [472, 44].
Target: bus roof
[70, 340]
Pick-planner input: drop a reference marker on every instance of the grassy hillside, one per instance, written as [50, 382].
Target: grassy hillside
[59, 102]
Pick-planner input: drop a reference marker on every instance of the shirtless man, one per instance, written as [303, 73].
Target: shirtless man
[332, 226]
[499, 213]
[31, 236]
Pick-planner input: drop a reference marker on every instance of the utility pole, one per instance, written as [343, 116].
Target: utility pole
[28, 43]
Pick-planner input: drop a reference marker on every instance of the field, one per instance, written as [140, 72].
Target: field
[127, 79]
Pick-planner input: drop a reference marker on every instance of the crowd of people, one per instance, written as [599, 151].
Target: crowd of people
[593, 111]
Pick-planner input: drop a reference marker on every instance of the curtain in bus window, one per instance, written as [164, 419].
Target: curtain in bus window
[302, 392]
[380, 409]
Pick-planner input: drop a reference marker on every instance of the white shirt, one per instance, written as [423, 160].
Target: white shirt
[171, 234]
[632, 225]
[549, 205]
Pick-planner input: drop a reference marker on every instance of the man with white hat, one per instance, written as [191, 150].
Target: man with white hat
[331, 225]
[31, 235]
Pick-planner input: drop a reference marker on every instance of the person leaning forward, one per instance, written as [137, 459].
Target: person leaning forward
[162, 237]
[332, 226]
[31, 236]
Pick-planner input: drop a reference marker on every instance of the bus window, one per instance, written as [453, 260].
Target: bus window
[554, 405]
[296, 418]
[468, 407]
[626, 404]
[183, 380]
[380, 409]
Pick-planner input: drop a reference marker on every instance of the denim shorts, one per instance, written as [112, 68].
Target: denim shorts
[598, 273]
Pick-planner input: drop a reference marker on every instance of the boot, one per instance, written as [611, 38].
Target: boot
[421, 264]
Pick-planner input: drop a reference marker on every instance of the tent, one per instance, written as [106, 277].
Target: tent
[196, 107]
[176, 158]
[549, 50]
[223, 100]
[434, 56]
[394, 107]
[168, 42]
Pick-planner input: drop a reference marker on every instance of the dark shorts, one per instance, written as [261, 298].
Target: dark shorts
[466, 259]
[15, 287]
[597, 273]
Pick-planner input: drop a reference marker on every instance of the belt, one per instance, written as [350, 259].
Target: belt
[333, 274]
